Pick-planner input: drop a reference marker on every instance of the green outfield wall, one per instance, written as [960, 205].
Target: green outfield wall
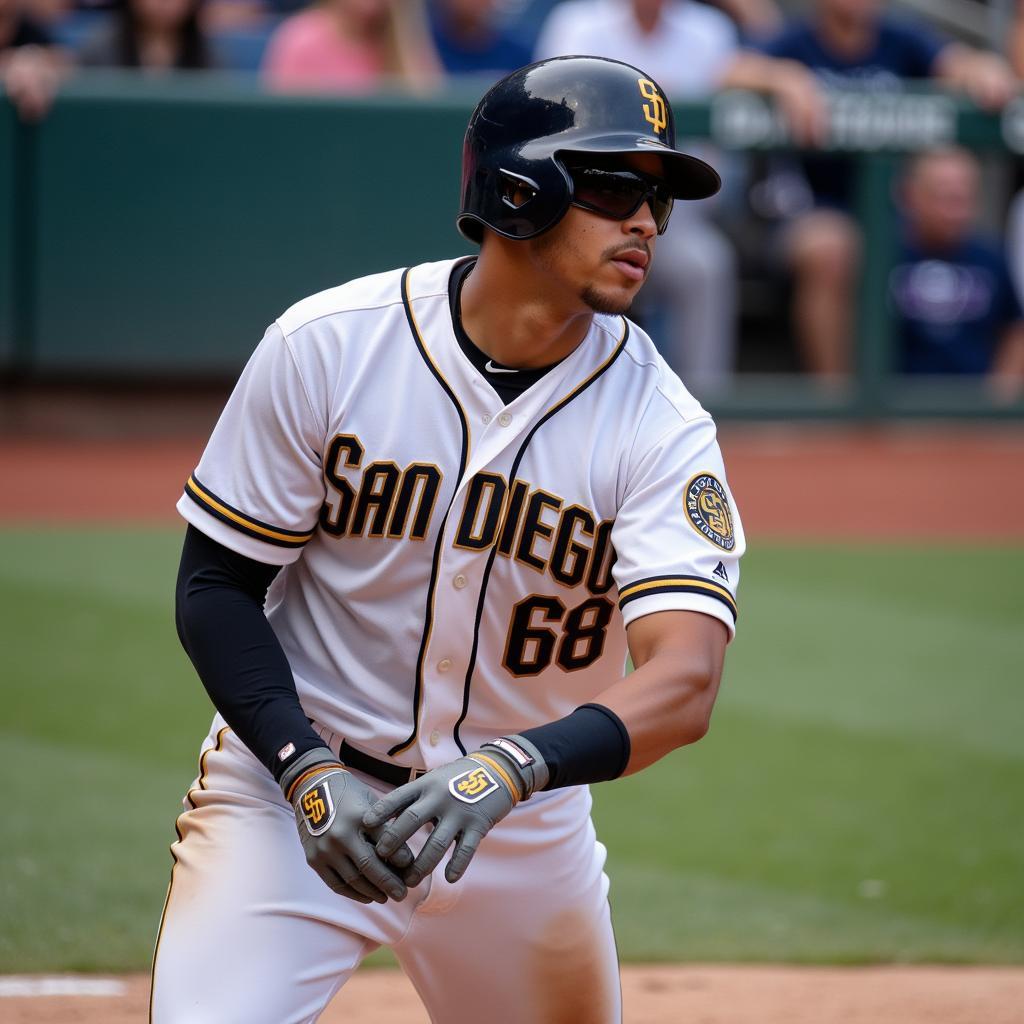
[8, 233]
[154, 228]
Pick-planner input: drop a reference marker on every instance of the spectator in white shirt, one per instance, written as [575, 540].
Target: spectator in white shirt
[686, 47]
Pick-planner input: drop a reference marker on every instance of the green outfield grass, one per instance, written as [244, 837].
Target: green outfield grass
[860, 796]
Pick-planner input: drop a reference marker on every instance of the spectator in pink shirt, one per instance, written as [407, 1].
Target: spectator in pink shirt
[352, 46]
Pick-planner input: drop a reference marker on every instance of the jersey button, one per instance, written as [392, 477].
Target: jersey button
[486, 418]
[459, 582]
[504, 419]
[435, 738]
[444, 664]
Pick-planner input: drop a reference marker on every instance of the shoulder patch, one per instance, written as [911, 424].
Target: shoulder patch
[707, 508]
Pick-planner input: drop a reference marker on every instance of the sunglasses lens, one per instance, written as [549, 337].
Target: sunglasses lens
[661, 207]
[615, 193]
[618, 194]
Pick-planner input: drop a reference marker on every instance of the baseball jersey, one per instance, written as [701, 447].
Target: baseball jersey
[455, 567]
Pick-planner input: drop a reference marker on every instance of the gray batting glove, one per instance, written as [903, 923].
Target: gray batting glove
[329, 805]
[464, 799]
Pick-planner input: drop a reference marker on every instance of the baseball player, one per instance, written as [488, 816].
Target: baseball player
[440, 508]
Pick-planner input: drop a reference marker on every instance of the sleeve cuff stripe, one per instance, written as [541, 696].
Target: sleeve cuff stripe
[678, 585]
[253, 527]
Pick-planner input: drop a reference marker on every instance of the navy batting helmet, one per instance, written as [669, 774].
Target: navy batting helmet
[514, 177]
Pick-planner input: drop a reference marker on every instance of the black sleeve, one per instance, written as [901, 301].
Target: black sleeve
[219, 614]
[590, 745]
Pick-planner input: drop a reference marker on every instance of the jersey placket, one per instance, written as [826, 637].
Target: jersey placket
[461, 576]
[497, 436]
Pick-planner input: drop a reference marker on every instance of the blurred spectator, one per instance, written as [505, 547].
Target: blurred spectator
[848, 44]
[156, 35]
[691, 49]
[353, 46]
[956, 306]
[30, 66]
[472, 38]
[755, 18]
[686, 47]
[1015, 39]
[227, 15]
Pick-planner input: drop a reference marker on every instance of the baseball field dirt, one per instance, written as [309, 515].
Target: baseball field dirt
[658, 995]
[790, 482]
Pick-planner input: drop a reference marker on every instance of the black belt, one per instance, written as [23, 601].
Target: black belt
[392, 774]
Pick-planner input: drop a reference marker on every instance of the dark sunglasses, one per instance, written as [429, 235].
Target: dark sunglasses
[619, 194]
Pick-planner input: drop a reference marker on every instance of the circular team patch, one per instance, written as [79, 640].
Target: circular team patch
[708, 510]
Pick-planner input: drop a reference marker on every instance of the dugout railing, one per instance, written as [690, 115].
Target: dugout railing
[151, 228]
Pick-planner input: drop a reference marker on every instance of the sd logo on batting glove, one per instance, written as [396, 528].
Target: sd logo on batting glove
[464, 799]
[329, 804]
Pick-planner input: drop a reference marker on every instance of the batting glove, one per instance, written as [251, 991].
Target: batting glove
[464, 799]
[329, 806]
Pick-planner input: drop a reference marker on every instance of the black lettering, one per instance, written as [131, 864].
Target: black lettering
[482, 512]
[376, 494]
[568, 555]
[535, 527]
[529, 647]
[427, 479]
[586, 628]
[347, 448]
[602, 558]
[514, 510]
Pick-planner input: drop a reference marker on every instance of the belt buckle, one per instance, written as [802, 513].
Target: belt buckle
[415, 773]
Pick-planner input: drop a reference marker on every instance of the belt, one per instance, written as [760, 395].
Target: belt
[385, 771]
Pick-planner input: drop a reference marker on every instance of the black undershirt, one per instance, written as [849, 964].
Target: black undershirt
[509, 383]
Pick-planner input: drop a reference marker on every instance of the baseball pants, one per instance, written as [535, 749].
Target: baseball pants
[251, 934]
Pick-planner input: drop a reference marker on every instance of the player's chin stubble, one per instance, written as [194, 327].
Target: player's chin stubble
[602, 303]
[550, 245]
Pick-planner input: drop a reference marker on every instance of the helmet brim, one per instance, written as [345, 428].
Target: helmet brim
[687, 176]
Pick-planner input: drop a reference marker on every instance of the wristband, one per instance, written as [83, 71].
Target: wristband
[590, 745]
[304, 767]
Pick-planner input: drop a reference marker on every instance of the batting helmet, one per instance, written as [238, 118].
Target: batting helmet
[514, 178]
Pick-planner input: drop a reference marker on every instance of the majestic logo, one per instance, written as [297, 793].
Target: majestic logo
[471, 786]
[719, 571]
[707, 507]
[317, 809]
[656, 112]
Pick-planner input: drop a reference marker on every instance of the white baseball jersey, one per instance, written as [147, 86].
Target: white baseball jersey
[457, 568]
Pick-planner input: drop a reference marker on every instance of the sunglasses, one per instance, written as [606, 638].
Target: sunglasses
[619, 194]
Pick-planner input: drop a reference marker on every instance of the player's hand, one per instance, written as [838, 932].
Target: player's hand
[329, 806]
[464, 800]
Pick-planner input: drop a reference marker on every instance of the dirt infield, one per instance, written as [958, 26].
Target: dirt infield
[657, 995]
[801, 482]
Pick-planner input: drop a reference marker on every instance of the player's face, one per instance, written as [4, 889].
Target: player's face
[601, 260]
